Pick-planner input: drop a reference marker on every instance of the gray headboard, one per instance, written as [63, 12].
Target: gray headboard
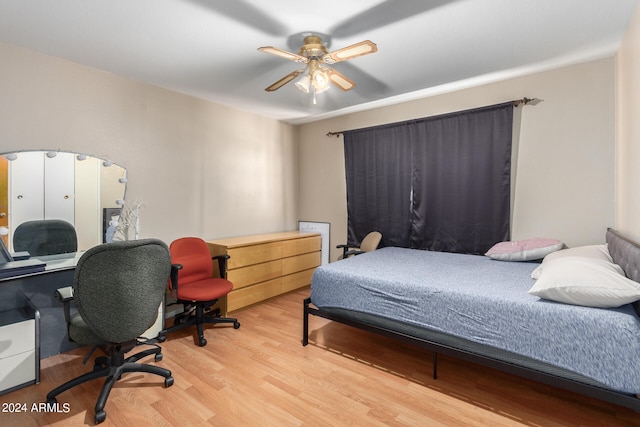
[625, 253]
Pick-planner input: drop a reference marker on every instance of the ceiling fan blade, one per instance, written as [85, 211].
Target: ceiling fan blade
[363, 48]
[283, 81]
[385, 13]
[245, 13]
[284, 54]
[340, 80]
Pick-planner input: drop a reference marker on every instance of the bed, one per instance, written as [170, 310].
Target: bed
[479, 309]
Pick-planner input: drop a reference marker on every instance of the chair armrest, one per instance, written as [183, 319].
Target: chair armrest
[174, 275]
[222, 264]
[64, 294]
[352, 252]
[345, 250]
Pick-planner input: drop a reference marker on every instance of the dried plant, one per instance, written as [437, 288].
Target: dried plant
[128, 221]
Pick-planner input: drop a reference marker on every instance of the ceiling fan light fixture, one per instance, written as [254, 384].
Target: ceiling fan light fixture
[316, 78]
[320, 80]
[303, 83]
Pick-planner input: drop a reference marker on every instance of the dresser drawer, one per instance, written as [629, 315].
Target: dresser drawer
[300, 262]
[253, 254]
[297, 280]
[301, 246]
[245, 276]
[253, 294]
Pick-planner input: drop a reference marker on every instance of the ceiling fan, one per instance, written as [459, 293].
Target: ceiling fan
[314, 53]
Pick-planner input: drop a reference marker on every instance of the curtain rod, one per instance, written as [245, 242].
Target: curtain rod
[517, 102]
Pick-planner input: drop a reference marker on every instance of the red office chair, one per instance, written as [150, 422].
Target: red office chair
[193, 285]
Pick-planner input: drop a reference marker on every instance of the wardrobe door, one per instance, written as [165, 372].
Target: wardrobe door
[59, 197]
[26, 188]
[88, 215]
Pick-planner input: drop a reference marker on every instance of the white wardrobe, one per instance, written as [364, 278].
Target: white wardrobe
[56, 185]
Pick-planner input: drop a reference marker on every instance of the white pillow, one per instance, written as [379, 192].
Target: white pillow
[524, 250]
[591, 251]
[585, 281]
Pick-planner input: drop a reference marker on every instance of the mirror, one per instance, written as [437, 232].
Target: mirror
[82, 190]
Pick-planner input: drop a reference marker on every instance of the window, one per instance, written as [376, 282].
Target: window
[438, 183]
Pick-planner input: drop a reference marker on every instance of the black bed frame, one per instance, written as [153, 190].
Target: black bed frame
[626, 400]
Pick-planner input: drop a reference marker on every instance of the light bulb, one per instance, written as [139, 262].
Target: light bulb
[320, 80]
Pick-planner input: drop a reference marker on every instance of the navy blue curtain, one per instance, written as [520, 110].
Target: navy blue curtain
[439, 183]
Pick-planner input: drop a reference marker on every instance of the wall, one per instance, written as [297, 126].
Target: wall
[564, 184]
[209, 170]
[198, 168]
[628, 126]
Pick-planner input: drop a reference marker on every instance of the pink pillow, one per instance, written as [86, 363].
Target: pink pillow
[524, 250]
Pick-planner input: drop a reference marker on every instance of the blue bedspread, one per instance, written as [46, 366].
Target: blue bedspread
[486, 301]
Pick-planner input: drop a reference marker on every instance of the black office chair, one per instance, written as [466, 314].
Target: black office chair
[117, 289]
[369, 243]
[45, 237]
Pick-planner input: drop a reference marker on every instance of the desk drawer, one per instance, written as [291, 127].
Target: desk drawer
[17, 338]
[17, 370]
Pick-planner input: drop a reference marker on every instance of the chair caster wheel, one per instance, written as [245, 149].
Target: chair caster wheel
[100, 363]
[100, 417]
[236, 325]
[202, 342]
[162, 338]
[158, 357]
[52, 401]
[168, 382]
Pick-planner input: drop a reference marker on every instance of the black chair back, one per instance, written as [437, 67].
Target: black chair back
[45, 237]
[119, 286]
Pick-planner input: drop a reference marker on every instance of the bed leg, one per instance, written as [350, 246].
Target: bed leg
[435, 365]
[305, 321]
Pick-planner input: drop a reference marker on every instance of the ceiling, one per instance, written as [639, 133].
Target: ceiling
[208, 48]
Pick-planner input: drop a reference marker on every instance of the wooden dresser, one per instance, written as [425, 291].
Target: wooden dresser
[265, 265]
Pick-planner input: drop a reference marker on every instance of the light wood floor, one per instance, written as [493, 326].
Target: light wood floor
[260, 375]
